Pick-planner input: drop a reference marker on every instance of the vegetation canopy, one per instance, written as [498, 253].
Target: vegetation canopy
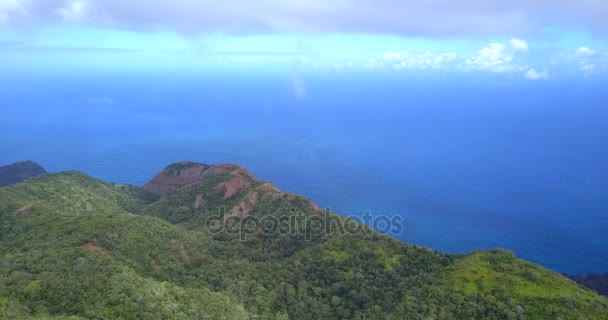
[73, 247]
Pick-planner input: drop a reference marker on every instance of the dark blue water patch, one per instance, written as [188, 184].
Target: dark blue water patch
[468, 163]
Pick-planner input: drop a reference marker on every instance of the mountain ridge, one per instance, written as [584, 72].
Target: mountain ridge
[18, 172]
[74, 246]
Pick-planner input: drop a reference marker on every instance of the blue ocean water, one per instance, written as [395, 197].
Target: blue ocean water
[469, 163]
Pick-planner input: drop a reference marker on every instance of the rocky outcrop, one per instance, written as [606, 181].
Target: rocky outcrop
[204, 183]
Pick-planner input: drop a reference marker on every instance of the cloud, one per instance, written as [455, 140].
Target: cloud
[532, 74]
[519, 44]
[585, 51]
[588, 61]
[409, 60]
[508, 57]
[588, 68]
[492, 58]
[514, 56]
[11, 10]
[406, 17]
[74, 11]
[497, 57]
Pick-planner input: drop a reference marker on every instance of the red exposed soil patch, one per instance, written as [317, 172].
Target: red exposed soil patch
[267, 187]
[224, 167]
[199, 202]
[96, 249]
[169, 181]
[314, 206]
[232, 186]
[174, 178]
[244, 208]
[241, 171]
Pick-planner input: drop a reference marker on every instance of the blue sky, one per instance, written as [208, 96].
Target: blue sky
[530, 40]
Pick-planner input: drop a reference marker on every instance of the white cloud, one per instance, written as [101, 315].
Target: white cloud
[578, 61]
[493, 58]
[519, 44]
[532, 74]
[426, 60]
[585, 51]
[11, 10]
[74, 11]
[587, 60]
[587, 68]
[497, 57]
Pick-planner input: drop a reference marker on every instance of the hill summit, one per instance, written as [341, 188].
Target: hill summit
[20, 171]
[179, 176]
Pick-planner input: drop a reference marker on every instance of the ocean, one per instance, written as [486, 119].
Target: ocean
[473, 162]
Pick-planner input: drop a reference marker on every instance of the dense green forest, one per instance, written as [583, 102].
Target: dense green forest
[73, 247]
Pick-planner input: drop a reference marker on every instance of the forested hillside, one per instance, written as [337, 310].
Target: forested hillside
[215, 242]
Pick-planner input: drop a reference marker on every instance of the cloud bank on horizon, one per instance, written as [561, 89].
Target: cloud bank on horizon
[441, 20]
[406, 17]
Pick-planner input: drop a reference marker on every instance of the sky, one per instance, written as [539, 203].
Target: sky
[533, 40]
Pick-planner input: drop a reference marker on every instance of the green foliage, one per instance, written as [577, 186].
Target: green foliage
[498, 276]
[72, 247]
[67, 193]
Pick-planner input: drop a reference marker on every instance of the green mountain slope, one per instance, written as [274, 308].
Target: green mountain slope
[214, 242]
